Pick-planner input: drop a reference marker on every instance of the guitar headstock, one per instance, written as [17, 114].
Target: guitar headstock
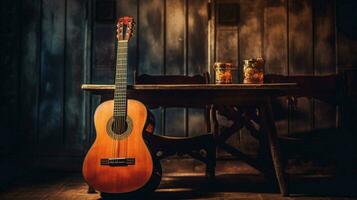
[125, 28]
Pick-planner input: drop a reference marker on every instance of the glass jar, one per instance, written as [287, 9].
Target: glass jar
[253, 71]
[223, 73]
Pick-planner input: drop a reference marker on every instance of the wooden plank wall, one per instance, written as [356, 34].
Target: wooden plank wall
[296, 37]
[53, 39]
[65, 43]
[11, 138]
[171, 38]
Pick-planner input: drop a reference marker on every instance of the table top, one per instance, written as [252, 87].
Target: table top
[196, 94]
[266, 86]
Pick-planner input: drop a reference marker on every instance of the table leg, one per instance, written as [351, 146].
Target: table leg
[268, 125]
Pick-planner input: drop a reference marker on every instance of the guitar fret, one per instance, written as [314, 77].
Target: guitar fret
[120, 101]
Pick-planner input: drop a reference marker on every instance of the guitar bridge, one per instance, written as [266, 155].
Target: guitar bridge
[114, 162]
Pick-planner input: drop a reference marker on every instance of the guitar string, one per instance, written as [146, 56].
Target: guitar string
[124, 118]
[120, 99]
[120, 68]
[118, 119]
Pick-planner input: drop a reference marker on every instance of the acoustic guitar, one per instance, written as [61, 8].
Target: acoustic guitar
[119, 161]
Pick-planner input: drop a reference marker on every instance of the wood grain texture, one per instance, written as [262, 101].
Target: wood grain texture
[130, 8]
[175, 37]
[251, 29]
[324, 58]
[276, 54]
[298, 37]
[52, 76]
[227, 47]
[74, 138]
[125, 178]
[228, 42]
[251, 32]
[30, 76]
[301, 59]
[59, 185]
[151, 45]
[197, 58]
[346, 41]
[10, 51]
[151, 37]
[197, 36]
[265, 86]
[175, 60]
[275, 37]
[104, 47]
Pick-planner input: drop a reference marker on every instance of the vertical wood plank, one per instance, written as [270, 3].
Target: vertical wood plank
[324, 37]
[175, 60]
[275, 37]
[151, 40]
[104, 41]
[212, 26]
[251, 32]
[301, 58]
[346, 33]
[9, 76]
[102, 45]
[104, 52]
[30, 76]
[151, 45]
[346, 61]
[346, 48]
[74, 69]
[130, 8]
[175, 37]
[10, 51]
[52, 76]
[197, 37]
[251, 29]
[197, 58]
[227, 46]
[175, 122]
[324, 57]
[276, 54]
[300, 37]
[87, 76]
[227, 50]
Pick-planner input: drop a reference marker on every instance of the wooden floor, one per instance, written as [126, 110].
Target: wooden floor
[187, 182]
[58, 185]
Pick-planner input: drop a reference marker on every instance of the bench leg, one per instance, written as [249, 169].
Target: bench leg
[211, 160]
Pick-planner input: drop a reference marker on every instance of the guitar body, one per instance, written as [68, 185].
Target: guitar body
[121, 163]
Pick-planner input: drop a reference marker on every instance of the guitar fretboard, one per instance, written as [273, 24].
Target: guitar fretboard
[121, 79]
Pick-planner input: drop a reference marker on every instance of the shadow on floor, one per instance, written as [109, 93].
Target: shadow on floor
[59, 185]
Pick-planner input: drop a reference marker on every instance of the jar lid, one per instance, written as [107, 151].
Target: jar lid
[221, 65]
[259, 61]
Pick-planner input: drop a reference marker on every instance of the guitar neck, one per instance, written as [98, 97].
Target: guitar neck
[120, 102]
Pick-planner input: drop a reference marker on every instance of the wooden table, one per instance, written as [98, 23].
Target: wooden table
[257, 95]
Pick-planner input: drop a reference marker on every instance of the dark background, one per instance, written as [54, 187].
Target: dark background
[49, 48]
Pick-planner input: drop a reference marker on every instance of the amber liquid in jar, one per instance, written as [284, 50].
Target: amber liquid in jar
[253, 71]
[223, 73]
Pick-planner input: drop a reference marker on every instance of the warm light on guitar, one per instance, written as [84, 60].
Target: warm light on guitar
[119, 160]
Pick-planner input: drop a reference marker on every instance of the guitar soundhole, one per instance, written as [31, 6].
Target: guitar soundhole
[118, 128]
